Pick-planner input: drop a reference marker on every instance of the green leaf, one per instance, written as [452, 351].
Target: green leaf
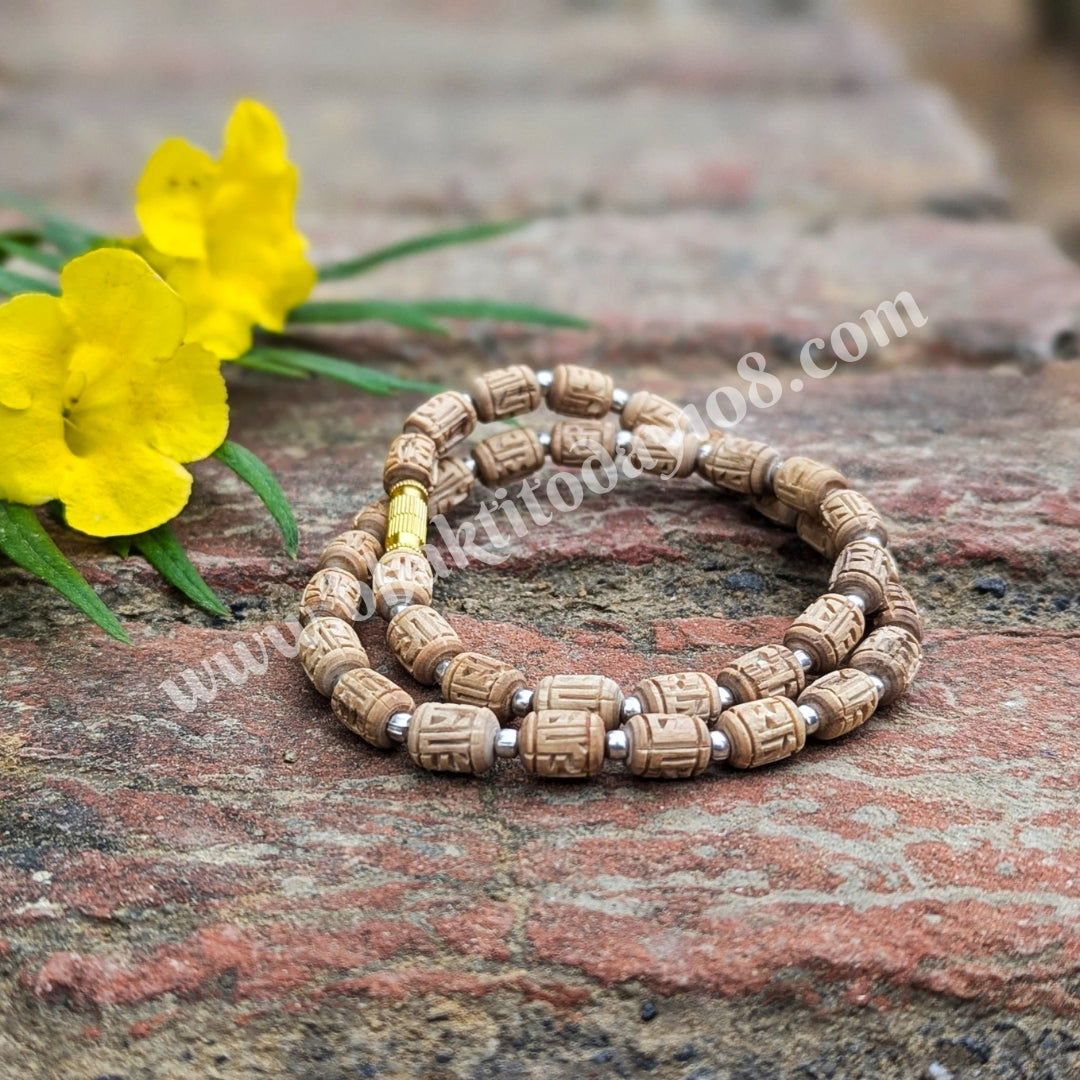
[13, 284]
[260, 360]
[20, 236]
[496, 309]
[160, 548]
[261, 480]
[69, 237]
[466, 235]
[338, 311]
[355, 375]
[25, 542]
[47, 260]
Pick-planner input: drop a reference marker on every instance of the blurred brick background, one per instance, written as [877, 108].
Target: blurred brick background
[246, 890]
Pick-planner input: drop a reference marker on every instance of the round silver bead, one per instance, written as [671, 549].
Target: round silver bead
[727, 698]
[440, 669]
[806, 661]
[545, 441]
[879, 686]
[470, 464]
[521, 704]
[545, 379]
[397, 609]
[721, 747]
[623, 441]
[506, 743]
[872, 538]
[810, 718]
[631, 706]
[617, 746]
[857, 600]
[619, 398]
[704, 450]
[397, 727]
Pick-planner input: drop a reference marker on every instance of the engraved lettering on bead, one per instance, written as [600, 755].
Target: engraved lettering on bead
[719, 744]
[631, 706]
[506, 743]
[618, 745]
[810, 718]
[397, 727]
[521, 704]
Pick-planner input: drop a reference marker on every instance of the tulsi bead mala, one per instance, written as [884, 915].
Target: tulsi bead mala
[853, 650]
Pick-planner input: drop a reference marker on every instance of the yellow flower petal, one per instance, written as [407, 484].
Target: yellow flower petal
[123, 488]
[219, 316]
[172, 197]
[254, 141]
[119, 303]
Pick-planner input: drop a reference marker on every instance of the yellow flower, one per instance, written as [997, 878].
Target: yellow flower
[221, 233]
[100, 400]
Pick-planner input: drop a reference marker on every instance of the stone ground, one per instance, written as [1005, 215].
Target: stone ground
[245, 890]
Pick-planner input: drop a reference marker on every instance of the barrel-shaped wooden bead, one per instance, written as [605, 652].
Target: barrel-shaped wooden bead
[508, 391]
[562, 744]
[372, 518]
[580, 391]
[768, 671]
[892, 654]
[402, 577]
[574, 442]
[738, 464]
[452, 738]
[508, 456]
[813, 533]
[849, 516]
[411, 456]
[364, 701]
[779, 513]
[803, 483]
[475, 679]
[827, 631]
[333, 593]
[357, 552]
[421, 639]
[328, 648]
[843, 700]
[445, 419]
[898, 610]
[645, 407]
[667, 746]
[862, 568]
[581, 693]
[454, 485]
[691, 693]
[760, 732]
[666, 452]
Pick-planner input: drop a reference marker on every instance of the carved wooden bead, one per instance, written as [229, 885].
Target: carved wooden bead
[761, 732]
[421, 639]
[328, 648]
[827, 630]
[372, 518]
[454, 485]
[508, 391]
[333, 593]
[412, 456]
[672, 746]
[452, 738]
[508, 456]
[573, 442]
[475, 679]
[688, 692]
[664, 451]
[843, 700]
[776, 511]
[364, 701]
[812, 532]
[891, 653]
[402, 577]
[645, 407]
[769, 671]
[355, 551]
[898, 610]
[581, 693]
[850, 515]
[580, 391]
[446, 419]
[863, 568]
[804, 483]
[739, 464]
[562, 743]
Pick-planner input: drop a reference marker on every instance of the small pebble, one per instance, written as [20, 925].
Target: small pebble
[995, 586]
[648, 1011]
[289, 756]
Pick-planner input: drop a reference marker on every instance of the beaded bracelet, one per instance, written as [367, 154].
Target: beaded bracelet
[758, 709]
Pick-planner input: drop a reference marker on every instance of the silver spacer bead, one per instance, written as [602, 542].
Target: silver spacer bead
[545, 441]
[617, 746]
[704, 450]
[721, 748]
[810, 718]
[631, 706]
[397, 609]
[545, 379]
[440, 669]
[879, 686]
[506, 743]
[397, 727]
[774, 468]
[806, 661]
[521, 704]
[727, 698]
[872, 538]
[619, 398]
[857, 600]
[470, 464]
[623, 441]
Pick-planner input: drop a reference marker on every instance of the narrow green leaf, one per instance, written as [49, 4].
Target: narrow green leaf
[69, 236]
[13, 284]
[261, 480]
[20, 236]
[47, 260]
[25, 542]
[258, 360]
[467, 235]
[160, 548]
[355, 375]
[338, 311]
[496, 309]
